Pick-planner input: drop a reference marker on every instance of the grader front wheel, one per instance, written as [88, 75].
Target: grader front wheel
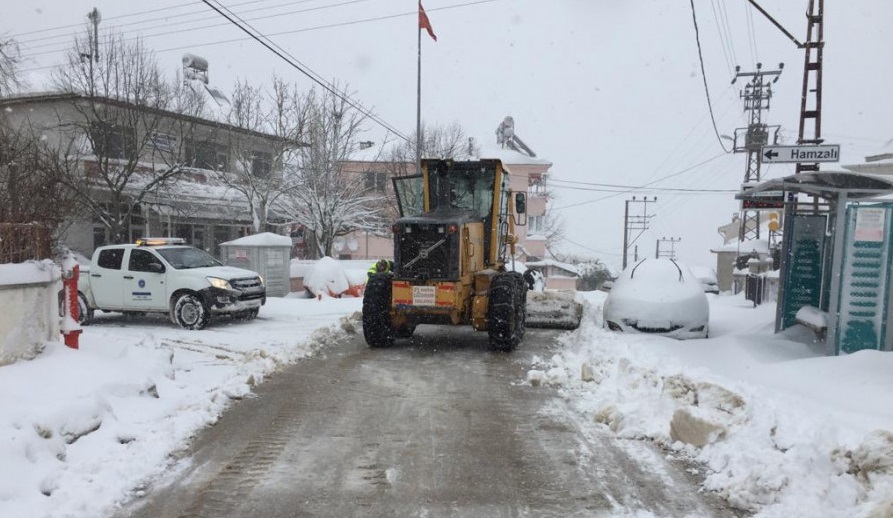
[377, 327]
[506, 311]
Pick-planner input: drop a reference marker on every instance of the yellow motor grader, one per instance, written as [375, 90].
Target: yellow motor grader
[453, 239]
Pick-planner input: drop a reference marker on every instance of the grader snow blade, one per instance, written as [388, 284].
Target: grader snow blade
[553, 310]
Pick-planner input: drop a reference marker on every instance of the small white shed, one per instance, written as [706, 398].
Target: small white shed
[267, 254]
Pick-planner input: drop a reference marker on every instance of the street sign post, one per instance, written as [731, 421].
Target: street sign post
[800, 154]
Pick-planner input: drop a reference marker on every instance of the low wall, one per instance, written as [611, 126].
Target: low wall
[561, 283]
[29, 309]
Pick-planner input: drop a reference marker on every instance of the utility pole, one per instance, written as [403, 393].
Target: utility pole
[671, 253]
[756, 95]
[93, 55]
[635, 222]
[812, 80]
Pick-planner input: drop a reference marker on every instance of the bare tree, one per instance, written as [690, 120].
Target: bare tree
[116, 145]
[327, 200]
[33, 203]
[437, 141]
[10, 58]
[259, 163]
[553, 230]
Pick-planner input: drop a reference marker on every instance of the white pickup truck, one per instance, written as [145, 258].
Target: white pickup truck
[163, 277]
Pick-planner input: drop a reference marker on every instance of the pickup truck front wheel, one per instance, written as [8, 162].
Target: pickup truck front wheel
[189, 312]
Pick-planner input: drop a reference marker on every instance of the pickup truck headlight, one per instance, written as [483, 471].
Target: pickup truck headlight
[217, 282]
[261, 279]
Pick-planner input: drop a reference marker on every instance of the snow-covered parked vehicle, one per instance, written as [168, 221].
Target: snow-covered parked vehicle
[707, 277]
[166, 276]
[658, 296]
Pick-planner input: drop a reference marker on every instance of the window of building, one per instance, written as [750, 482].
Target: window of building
[163, 141]
[261, 164]
[112, 142]
[206, 155]
[537, 185]
[376, 181]
[100, 238]
[536, 224]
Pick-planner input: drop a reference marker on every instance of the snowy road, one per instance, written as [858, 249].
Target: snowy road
[438, 426]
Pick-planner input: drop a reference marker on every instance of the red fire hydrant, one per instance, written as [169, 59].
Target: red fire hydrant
[70, 310]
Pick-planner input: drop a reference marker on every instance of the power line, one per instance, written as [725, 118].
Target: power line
[699, 164]
[563, 238]
[591, 186]
[722, 38]
[168, 25]
[295, 31]
[297, 65]
[704, 77]
[752, 38]
[128, 15]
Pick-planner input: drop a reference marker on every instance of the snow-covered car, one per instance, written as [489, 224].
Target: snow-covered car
[658, 296]
[707, 277]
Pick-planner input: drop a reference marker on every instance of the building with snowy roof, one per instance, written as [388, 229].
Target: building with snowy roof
[104, 140]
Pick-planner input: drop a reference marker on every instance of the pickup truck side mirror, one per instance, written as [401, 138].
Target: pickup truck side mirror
[156, 267]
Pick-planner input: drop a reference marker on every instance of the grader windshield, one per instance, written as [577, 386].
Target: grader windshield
[467, 187]
[410, 195]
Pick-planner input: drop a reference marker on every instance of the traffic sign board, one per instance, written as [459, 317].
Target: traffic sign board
[800, 154]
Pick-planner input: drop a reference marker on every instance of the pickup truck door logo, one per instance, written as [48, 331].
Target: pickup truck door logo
[141, 295]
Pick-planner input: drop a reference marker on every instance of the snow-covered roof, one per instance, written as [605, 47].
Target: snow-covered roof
[511, 157]
[761, 246]
[880, 162]
[54, 96]
[572, 268]
[262, 239]
[373, 153]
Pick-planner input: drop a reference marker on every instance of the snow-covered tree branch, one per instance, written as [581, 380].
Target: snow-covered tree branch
[325, 198]
[117, 112]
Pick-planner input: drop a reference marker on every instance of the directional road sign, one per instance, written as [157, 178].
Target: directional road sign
[800, 154]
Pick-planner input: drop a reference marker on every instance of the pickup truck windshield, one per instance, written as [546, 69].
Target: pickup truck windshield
[187, 257]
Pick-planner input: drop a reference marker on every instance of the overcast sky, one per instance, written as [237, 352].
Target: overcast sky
[609, 91]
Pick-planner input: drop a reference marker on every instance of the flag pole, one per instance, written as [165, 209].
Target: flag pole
[418, 111]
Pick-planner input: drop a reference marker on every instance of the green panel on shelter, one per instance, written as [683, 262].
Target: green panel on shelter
[803, 279]
[864, 279]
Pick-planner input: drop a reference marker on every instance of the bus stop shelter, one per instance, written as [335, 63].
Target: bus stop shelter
[835, 254]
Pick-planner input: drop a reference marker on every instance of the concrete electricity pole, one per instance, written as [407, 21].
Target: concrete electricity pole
[671, 253]
[756, 95]
[635, 222]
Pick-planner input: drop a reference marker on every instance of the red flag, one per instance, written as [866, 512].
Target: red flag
[424, 23]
